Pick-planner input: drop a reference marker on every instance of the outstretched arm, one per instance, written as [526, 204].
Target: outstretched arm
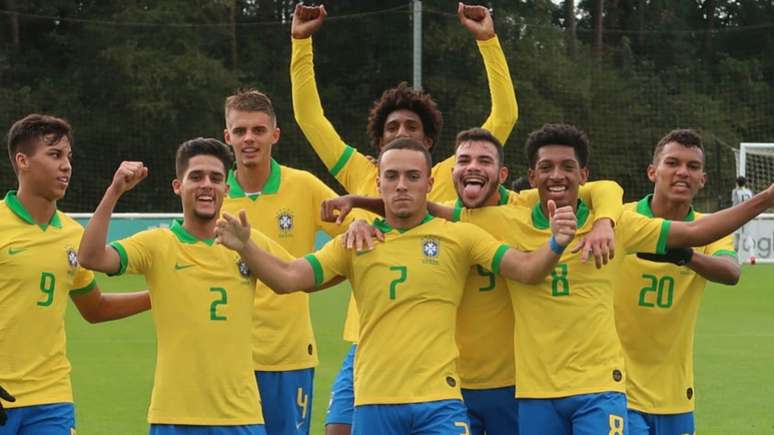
[279, 275]
[712, 227]
[505, 111]
[533, 267]
[93, 252]
[96, 306]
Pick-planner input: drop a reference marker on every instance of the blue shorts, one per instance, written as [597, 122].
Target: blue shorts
[342, 404]
[492, 411]
[641, 423]
[187, 429]
[584, 414]
[49, 419]
[441, 417]
[286, 399]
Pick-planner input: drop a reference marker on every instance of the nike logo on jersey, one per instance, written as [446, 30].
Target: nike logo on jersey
[14, 251]
[179, 266]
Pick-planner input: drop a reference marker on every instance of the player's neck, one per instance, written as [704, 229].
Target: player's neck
[253, 178]
[202, 229]
[662, 207]
[405, 223]
[40, 209]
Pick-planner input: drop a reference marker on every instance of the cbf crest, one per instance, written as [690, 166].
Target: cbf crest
[243, 269]
[285, 223]
[431, 248]
[72, 260]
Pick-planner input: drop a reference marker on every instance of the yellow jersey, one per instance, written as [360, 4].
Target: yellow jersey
[202, 296]
[408, 290]
[288, 212]
[351, 168]
[565, 338]
[656, 307]
[39, 270]
[485, 318]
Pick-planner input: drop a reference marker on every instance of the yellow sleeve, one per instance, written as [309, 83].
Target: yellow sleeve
[505, 111]
[485, 250]
[330, 261]
[723, 246]
[135, 252]
[524, 198]
[83, 283]
[639, 233]
[604, 197]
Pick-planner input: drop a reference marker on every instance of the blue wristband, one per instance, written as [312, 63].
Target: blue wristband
[555, 246]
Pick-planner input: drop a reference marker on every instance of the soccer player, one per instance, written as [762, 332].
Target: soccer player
[400, 112]
[742, 235]
[39, 271]
[284, 204]
[484, 332]
[657, 303]
[570, 376]
[408, 290]
[202, 298]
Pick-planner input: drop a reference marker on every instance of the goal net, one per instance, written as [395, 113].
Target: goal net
[756, 239]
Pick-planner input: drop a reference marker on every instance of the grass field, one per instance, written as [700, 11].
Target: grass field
[113, 363]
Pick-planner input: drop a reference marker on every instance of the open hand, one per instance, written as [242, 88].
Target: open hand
[231, 232]
[600, 243]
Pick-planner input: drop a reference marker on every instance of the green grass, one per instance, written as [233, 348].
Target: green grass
[113, 362]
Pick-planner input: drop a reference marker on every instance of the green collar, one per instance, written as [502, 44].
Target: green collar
[271, 187]
[643, 208]
[18, 209]
[383, 226]
[540, 221]
[458, 205]
[184, 236]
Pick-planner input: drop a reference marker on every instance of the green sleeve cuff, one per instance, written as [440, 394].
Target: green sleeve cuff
[122, 256]
[345, 156]
[725, 252]
[457, 213]
[498, 258]
[661, 247]
[316, 267]
[84, 290]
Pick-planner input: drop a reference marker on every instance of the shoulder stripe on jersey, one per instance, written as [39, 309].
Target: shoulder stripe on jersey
[661, 247]
[498, 258]
[727, 252]
[345, 156]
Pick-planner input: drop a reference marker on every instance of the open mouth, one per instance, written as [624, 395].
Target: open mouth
[681, 185]
[64, 180]
[472, 186]
[557, 189]
[205, 198]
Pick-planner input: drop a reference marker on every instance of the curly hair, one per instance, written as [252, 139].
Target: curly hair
[558, 134]
[403, 97]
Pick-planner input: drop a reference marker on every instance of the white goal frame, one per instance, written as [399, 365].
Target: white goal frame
[746, 148]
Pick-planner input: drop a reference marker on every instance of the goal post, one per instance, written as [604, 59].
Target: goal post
[756, 239]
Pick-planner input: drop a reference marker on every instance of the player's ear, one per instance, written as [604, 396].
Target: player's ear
[502, 174]
[226, 136]
[703, 180]
[275, 135]
[22, 161]
[379, 182]
[176, 186]
[651, 172]
[584, 175]
[428, 142]
[532, 177]
[430, 181]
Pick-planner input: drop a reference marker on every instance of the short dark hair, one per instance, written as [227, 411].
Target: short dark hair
[684, 136]
[405, 143]
[25, 133]
[741, 181]
[558, 134]
[249, 100]
[202, 146]
[481, 135]
[521, 183]
[403, 97]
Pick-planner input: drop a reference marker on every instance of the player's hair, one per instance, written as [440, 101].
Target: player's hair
[558, 134]
[403, 97]
[684, 136]
[202, 146]
[26, 133]
[249, 100]
[521, 183]
[741, 181]
[478, 134]
[405, 143]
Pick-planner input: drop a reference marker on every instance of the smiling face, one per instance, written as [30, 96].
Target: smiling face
[202, 187]
[477, 173]
[47, 169]
[557, 175]
[404, 182]
[252, 135]
[678, 172]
